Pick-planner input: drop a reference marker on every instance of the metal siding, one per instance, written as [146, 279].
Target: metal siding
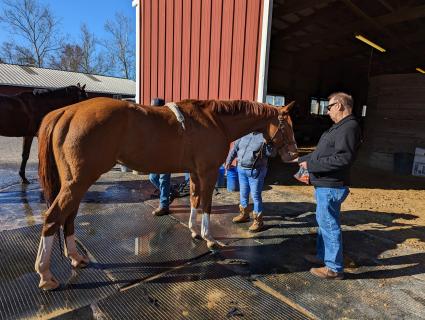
[226, 49]
[154, 50]
[178, 22]
[169, 62]
[200, 49]
[195, 33]
[186, 44]
[161, 49]
[216, 29]
[146, 51]
[251, 47]
[238, 49]
[205, 38]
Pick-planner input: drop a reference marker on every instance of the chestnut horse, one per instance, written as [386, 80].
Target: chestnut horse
[79, 143]
[21, 114]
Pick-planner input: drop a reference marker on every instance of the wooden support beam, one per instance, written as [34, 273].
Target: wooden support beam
[401, 15]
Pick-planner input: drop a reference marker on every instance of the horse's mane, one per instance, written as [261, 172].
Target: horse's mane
[233, 107]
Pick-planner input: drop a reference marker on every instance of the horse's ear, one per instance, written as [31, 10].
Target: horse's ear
[83, 87]
[78, 85]
[290, 105]
[287, 108]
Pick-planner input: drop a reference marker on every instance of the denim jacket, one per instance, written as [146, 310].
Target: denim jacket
[246, 150]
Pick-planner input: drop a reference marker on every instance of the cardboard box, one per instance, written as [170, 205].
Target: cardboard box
[418, 168]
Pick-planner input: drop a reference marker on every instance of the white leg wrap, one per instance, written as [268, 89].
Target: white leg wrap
[192, 218]
[42, 262]
[70, 246]
[205, 227]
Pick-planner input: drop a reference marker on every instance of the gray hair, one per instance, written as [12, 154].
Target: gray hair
[345, 99]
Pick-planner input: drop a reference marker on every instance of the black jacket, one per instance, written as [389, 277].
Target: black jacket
[329, 164]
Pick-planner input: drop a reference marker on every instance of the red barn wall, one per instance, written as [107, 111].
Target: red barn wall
[199, 49]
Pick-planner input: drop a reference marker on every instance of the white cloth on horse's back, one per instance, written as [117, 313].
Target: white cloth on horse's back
[175, 109]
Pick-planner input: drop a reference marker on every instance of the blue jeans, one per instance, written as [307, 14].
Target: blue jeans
[187, 177]
[162, 182]
[329, 235]
[251, 183]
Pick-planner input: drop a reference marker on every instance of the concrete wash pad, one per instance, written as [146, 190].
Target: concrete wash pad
[148, 267]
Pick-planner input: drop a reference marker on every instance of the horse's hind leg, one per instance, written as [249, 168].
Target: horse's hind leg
[194, 204]
[64, 206]
[77, 260]
[26, 148]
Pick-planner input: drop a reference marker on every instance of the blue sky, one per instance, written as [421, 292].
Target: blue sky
[72, 13]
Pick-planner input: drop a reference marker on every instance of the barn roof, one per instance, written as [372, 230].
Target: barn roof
[25, 76]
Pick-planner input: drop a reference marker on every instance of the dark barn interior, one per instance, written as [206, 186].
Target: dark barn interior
[314, 52]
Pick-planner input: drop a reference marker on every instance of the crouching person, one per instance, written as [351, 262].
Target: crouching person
[252, 154]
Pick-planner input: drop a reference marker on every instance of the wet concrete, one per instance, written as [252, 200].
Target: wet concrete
[148, 267]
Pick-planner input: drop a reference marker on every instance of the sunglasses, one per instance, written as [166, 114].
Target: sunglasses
[329, 107]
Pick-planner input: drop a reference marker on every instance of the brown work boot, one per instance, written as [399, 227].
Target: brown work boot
[243, 215]
[312, 258]
[258, 224]
[326, 273]
[161, 211]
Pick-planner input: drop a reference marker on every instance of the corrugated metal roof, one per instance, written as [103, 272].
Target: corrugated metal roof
[24, 76]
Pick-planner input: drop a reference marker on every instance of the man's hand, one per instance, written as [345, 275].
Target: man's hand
[227, 166]
[303, 165]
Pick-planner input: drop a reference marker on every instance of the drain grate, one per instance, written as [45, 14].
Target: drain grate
[131, 244]
[19, 293]
[197, 291]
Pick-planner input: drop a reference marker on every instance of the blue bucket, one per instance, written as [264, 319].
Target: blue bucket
[221, 182]
[232, 179]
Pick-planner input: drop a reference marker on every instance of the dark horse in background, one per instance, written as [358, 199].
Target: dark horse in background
[21, 114]
[79, 143]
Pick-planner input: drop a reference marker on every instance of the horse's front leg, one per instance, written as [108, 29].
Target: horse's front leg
[207, 181]
[77, 260]
[194, 205]
[26, 148]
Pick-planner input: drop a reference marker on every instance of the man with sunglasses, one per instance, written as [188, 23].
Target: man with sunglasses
[329, 169]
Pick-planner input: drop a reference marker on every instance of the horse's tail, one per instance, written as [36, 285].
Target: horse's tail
[47, 169]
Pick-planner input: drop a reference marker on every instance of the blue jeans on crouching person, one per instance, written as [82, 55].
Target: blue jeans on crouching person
[329, 235]
[162, 182]
[252, 181]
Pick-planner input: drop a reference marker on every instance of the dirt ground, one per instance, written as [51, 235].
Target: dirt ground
[386, 200]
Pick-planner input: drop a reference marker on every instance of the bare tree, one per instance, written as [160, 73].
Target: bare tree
[36, 25]
[13, 53]
[120, 48]
[93, 61]
[69, 59]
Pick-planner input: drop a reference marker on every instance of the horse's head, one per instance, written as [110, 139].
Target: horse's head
[281, 135]
[78, 91]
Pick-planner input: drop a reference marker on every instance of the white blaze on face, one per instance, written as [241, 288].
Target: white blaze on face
[42, 262]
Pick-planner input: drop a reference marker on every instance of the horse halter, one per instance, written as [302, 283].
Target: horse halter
[281, 127]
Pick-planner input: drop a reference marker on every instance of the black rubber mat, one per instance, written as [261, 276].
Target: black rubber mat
[374, 289]
[19, 293]
[132, 244]
[197, 291]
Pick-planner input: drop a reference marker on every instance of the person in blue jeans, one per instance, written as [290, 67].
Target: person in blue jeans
[163, 181]
[252, 153]
[329, 171]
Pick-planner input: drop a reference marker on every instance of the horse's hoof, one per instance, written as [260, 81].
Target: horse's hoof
[195, 236]
[49, 285]
[80, 263]
[213, 245]
[25, 181]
